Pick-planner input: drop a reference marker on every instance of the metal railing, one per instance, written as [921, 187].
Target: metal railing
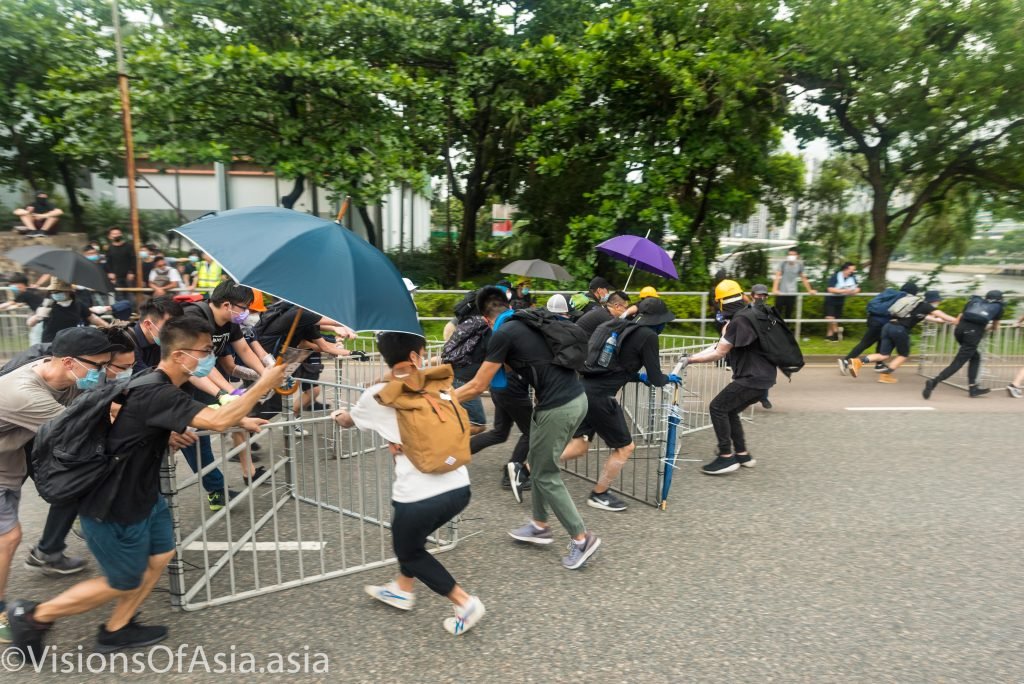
[1002, 355]
[647, 410]
[321, 510]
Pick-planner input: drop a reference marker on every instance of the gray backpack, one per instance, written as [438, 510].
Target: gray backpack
[904, 306]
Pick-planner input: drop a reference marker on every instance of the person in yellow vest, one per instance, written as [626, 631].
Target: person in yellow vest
[209, 274]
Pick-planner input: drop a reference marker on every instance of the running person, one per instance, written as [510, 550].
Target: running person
[969, 333]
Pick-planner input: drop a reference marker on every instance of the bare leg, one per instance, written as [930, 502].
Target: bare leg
[458, 596]
[897, 362]
[875, 358]
[244, 457]
[129, 603]
[613, 466]
[1019, 380]
[80, 598]
[27, 219]
[577, 447]
[8, 545]
[50, 222]
[833, 327]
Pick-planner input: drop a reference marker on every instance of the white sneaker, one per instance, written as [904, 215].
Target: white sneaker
[465, 617]
[1015, 392]
[392, 595]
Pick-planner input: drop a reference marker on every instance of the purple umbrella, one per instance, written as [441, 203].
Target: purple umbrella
[640, 253]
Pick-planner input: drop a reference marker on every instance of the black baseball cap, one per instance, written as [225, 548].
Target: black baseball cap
[597, 283]
[82, 341]
[653, 311]
[994, 295]
[759, 289]
[932, 296]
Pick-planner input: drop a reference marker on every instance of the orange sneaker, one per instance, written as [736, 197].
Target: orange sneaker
[854, 366]
[887, 378]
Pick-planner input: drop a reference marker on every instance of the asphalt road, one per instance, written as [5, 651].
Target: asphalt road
[866, 546]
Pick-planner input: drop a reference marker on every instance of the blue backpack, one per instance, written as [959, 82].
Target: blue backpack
[880, 303]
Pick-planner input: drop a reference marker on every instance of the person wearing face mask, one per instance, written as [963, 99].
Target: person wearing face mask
[596, 295]
[615, 305]
[40, 217]
[61, 311]
[209, 274]
[148, 255]
[126, 521]
[752, 375]
[30, 396]
[120, 260]
[784, 287]
[637, 348]
[521, 297]
[162, 278]
[226, 311]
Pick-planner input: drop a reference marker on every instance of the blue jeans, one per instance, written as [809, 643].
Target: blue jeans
[474, 407]
[213, 481]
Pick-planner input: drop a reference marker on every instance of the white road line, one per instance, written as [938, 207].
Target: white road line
[260, 546]
[890, 408]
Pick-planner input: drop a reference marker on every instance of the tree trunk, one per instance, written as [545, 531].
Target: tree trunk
[67, 176]
[371, 229]
[879, 243]
[288, 201]
[467, 235]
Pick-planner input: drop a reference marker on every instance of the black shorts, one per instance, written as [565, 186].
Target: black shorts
[834, 306]
[894, 336]
[606, 419]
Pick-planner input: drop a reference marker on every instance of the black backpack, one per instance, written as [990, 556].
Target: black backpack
[33, 353]
[467, 307]
[978, 310]
[774, 338]
[880, 303]
[458, 350]
[596, 345]
[69, 454]
[566, 340]
[272, 343]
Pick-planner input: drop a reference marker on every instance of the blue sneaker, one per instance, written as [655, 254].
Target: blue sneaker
[579, 553]
[530, 534]
[392, 595]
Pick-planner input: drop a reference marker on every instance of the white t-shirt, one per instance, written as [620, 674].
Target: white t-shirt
[170, 277]
[410, 485]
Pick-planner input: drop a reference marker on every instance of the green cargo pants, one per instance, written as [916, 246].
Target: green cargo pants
[550, 431]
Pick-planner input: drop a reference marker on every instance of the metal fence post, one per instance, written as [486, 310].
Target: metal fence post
[799, 315]
[703, 313]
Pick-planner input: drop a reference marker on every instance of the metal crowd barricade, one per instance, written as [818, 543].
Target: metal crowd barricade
[14, 332]
[1002, 355]
[321, 510]
[647, 411]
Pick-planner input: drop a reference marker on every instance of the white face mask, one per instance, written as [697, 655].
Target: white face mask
[791, 257]
[251, 321]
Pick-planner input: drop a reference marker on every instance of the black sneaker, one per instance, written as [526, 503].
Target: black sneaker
[505, 482]
[132, 635]
[721, 465]
[252, 455]
[255, 446]
[765, 403]
[64, 565]
[976, 391]
[219, 500]
[517, 476]
[746, 460]
[882, 368]
[879, 366]
[257, 474]
[606, 501]
[317, 406]
[27, 634]
[844, 366]
[929, 387]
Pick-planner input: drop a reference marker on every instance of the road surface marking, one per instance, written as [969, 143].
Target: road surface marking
[890, 408]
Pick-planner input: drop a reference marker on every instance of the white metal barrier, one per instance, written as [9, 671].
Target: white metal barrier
[647, 411]
[321, 510]
[1002, 355]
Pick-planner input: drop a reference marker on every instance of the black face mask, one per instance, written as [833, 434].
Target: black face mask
[729, 310]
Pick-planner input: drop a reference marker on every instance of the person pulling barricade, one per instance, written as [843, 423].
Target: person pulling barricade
[978, 315]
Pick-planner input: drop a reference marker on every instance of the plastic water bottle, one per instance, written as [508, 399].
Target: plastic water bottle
[610, 345]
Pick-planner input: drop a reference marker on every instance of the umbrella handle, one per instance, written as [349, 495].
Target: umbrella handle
[342, 210]
[280, 357]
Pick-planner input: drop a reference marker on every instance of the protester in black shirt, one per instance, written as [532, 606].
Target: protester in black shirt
[62, 310]
[969, 334]
[638, 348]
[596, 295]
[23, 294]
[561, 406]
[896, 337]
[126, 521]
[120, 259]
[40, 217]
[752, 374]
[614, 307]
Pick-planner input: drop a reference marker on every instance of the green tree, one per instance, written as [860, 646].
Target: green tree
[835, 204]
[680, 107]
[41, 43]
[928, 95]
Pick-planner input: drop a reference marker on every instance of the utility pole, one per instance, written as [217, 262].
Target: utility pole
[129, 146]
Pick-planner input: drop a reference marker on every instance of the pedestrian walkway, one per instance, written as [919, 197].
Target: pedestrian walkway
[866, 546]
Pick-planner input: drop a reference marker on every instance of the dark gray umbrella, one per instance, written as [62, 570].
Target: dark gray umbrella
[64, 264]
[535, 268]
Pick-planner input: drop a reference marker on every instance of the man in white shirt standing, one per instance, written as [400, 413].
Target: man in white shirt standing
[422, 502]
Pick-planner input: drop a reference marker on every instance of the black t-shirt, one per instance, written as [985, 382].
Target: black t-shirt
[63, 317]
[121, 259]
[750, 368]
[918, 314]
[30, 298]
[223, 335]
[274, 333]
[141, 432]
[638, 350]
[147, 355]
[593, 318]
[525, 350]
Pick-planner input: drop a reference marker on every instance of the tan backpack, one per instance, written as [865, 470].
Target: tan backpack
[433, 425]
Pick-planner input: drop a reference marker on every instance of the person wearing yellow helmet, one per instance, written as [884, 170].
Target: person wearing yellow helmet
[648, 291]
[752, 375]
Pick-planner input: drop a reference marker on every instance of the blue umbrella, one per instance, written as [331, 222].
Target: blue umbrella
[315, 264]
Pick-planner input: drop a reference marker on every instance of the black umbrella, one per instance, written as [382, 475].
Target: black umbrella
[64, 264]
[535, 268]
